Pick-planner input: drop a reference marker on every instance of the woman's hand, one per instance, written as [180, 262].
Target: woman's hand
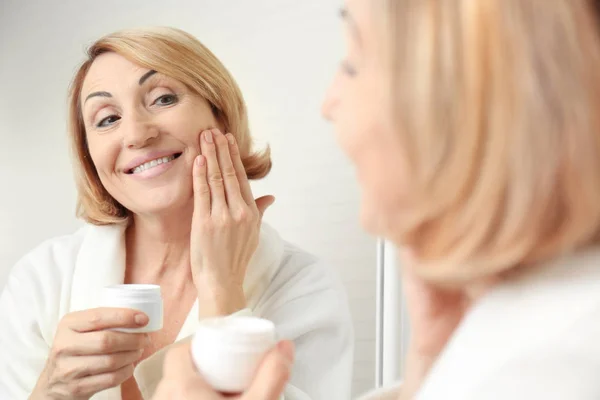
[181, 380]
[225, 225]
[86, 358]
[434, 315]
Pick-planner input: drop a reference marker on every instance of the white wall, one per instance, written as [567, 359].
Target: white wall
[282, 52]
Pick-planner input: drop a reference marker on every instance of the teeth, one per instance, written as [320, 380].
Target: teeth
[152, 164]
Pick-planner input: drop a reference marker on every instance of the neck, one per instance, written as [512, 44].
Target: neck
[158, 245]
[477, 290]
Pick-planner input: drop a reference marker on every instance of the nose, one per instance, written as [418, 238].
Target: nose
[331, 101]
[139, 132]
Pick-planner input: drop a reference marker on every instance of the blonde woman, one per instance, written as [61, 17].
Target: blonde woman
[163, 158]
[475, 131]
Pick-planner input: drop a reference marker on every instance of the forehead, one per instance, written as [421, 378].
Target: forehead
[360, 14]
[111, 71]
[371, 24]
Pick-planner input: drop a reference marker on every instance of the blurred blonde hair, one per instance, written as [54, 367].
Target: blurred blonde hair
[181, 56]
[496, 103]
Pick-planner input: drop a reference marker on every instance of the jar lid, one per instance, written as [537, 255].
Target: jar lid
[237, 330]
[132, 292]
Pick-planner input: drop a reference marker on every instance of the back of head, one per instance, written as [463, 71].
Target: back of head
[178, 55]
[496, 103]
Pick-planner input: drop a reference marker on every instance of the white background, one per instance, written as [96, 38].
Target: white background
[282, 53]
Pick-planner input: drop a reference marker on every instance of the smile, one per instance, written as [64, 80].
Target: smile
[153, 163]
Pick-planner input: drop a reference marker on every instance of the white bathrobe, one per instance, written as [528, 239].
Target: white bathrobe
[535, 336]
[298, 293]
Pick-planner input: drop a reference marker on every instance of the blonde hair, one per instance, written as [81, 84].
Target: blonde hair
[178, 55]
[497, 104]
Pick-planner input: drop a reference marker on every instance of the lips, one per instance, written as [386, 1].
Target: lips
[150, 161]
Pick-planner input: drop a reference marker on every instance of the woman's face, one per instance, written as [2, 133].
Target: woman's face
[142, 130]
[358, 104]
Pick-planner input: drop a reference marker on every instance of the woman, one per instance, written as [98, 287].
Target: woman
[483, 164]
[162, 160]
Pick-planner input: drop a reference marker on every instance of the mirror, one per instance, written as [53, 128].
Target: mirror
[283, 55]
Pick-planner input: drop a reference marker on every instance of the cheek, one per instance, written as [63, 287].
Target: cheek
[358, 117]
[361, 136]
[383, 180]
[104, 152]
[355, 127]
[187, 120]
[183, 128]
[186, 132]
[382, 199]
[380, 177]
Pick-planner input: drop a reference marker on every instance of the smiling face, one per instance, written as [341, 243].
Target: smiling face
[358, 104]
[142, 130]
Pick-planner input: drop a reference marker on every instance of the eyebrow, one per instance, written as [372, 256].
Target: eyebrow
[346, 16]
[97, 94]
[143, 79]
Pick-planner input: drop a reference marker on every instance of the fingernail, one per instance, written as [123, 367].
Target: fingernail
[286, 348]
[208, 136]
[141, 319]
[200, 161]
[230, 138]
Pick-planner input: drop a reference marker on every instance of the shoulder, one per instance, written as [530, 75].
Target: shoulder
[53, 262]
[52, 257]
[307, 289]
[41, 283]
[559, 367]
[540, 305]
[532, 336]
[302, 268]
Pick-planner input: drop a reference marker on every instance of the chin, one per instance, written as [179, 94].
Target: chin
[376, 221]
[163, 203]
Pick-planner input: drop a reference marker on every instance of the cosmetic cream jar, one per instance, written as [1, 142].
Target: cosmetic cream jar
[228, 350]
[145, 298]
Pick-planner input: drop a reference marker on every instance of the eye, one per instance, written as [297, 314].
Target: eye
[166, 100]
[107, 121]
[348, 68]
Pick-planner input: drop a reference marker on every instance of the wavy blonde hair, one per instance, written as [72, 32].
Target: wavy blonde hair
[497, 103]
[178, 55]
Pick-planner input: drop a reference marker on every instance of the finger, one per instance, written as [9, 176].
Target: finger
[273, 373]
[230, 179]
[242, 177]
[97, 319]
[96, 383]
[107, 342]
[262, 203]
[201, 188]
[100, 364]
[215, 178]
